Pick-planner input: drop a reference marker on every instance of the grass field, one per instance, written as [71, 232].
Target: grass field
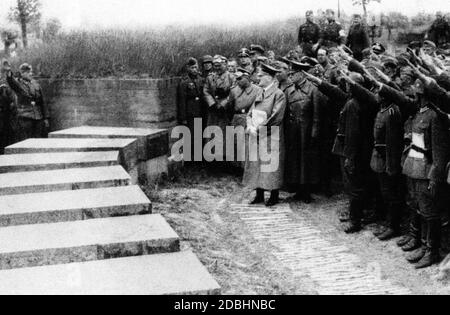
[153, 53]
[148, 52]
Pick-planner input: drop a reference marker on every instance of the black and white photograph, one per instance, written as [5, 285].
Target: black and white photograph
[223, 152]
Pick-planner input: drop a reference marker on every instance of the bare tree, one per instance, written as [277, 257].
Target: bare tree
[24, 13]
[364, 4]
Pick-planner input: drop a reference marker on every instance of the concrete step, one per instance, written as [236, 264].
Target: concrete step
[97, 239]
[76, 205]
[68, 179]
[153, 143]
[163, 274]
[53, 161]
[128, 148]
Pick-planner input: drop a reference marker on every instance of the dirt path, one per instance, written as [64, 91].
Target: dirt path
[201, 206]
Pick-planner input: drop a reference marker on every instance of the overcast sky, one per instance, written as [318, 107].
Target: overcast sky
[79, 13]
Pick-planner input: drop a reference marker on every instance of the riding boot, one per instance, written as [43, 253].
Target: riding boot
[432, 255]
[274, 198]
[259, 197]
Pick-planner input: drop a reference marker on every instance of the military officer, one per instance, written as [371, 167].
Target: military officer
[242, 97]
[256, 52]
[353, 141]
[33, 113]
[304, 103]
[244, 60]
[358, 38]
[284, 74]
[308, 35]
[190, 92]
[8, 114]
[216, 92]
[332, 35]
[439, 31]
[265, 129]
[207, 65]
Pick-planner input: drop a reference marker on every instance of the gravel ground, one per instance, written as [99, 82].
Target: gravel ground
[197, 202]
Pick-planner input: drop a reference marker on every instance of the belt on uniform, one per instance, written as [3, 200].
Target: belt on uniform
[241, 112]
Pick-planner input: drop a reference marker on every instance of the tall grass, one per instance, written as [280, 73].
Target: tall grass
[149, 52]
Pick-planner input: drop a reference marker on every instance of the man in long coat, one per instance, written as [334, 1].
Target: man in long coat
[303, 108]
[358, 38]
[264, 170]
[242, 98]
[216, 93]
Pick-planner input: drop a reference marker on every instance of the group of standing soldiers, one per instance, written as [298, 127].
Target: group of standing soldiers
[23, 112]
[390, 113]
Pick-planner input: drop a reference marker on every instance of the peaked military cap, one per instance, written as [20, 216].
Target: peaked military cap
[300, 66]
[269, 70]
[25, 67]
[257, 48]
[378, 48]
[207, 59]
[192, 62]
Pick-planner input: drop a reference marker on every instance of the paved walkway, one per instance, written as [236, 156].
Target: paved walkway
[305, 250]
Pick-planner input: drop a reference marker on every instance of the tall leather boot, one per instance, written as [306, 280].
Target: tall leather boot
[414, 227]
[354, 225]
[420, 252]
[415, 233]
[274, 198]
[259, 197]
[432, 255]
[393, 229]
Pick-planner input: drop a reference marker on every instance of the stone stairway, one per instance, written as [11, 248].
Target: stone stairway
[72, 222]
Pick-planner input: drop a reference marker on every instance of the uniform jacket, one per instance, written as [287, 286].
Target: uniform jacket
[30, 100]
[216, 94]
[8, 100]
[308, 35]
[273, 103]
[190, 93]
[332, 35]
[354, 140]
[304, 104]
[439, 96]
[440, 32]
[358, 40]
[430, 161]
[240, 102]
[388, 135]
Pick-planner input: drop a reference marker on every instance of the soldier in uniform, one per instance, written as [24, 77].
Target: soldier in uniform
[332, 34]
[308, 35]
[425, 167]
[190, 92]
[304, 103]
[216, 92]
[256, 52]
[33, 113]
[358, 38]
[8, 114]
[242, 97]
[267, 111]
[354, 141]
[283, 77]
[439, 32]
[207, 65]
[244, 60]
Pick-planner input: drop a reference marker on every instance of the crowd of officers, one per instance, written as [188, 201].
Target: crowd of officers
[383, 119]
[23, 112]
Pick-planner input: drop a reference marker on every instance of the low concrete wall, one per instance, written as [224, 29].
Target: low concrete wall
[102, 102]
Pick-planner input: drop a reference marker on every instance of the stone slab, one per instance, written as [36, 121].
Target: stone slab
[97, 239]
[152, 170]
[53, 161]
[128, 148]
[164, 274]
[77, 205]
[152, 142]
[67, 179]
